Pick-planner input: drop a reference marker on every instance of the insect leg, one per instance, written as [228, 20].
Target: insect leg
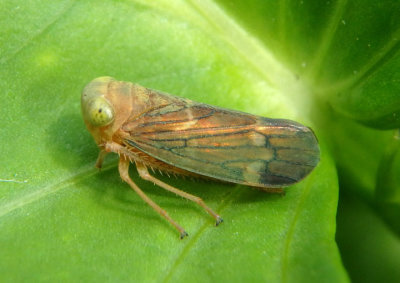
[100, 158]
[144, 173]
[123, 167]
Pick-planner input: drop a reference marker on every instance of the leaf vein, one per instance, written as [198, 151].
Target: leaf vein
[291, 230]
[193, 240]
[42, 31]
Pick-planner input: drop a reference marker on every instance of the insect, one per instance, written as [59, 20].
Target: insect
[179, 136]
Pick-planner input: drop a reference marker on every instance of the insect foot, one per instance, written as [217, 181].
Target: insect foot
[183, 235]
[219, 220]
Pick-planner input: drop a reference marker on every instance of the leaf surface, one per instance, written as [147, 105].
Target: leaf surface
[62, 220]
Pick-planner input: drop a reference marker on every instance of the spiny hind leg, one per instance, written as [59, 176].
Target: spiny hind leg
[144, 173]
[123, 168]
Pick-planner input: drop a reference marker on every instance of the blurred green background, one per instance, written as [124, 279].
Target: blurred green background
[331, 65]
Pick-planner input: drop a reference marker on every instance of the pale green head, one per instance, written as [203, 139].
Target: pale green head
[97, 111]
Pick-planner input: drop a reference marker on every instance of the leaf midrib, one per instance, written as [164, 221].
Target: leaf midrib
[38, 194]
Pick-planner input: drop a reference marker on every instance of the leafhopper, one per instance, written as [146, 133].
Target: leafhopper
[179, 136]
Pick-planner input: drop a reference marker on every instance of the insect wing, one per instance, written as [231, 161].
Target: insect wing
[224, 144]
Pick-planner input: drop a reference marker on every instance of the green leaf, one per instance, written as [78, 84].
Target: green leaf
[370, 250]
[347, 50]
[62, 220]
[388, 185]
[358, 151]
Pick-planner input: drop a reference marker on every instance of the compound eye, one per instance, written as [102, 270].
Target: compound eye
[99, 112]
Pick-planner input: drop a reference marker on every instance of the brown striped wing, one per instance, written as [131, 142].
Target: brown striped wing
[224, 144]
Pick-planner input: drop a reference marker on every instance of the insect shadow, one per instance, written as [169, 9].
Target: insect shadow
[69, 143]
[71, 146]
